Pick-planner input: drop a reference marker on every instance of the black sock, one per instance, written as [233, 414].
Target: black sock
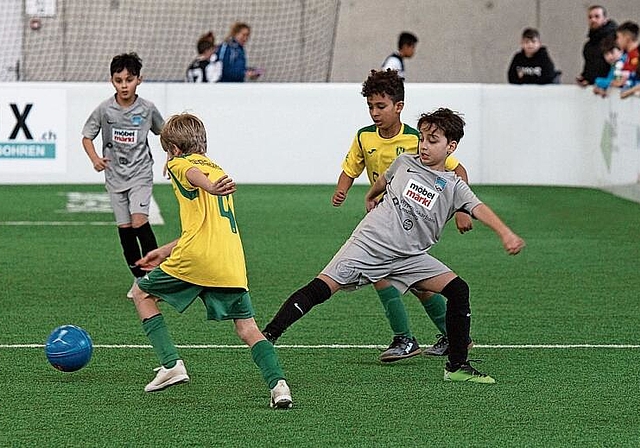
[130, 249]
[458, 320]
[146, 238]
[297, 305]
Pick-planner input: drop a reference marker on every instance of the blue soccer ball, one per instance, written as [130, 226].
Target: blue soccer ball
[68, 348]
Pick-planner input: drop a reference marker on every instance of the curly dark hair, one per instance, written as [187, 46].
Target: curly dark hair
[450, 122]
[384, 81]
[130, 61]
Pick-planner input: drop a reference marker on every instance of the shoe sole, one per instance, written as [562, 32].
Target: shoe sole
[401, 357]
[179, 379]
[471, 379]
[282, 403]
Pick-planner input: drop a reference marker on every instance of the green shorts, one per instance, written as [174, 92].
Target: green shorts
[221, 303]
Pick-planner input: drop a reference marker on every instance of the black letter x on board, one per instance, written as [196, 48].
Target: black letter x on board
[21, 121]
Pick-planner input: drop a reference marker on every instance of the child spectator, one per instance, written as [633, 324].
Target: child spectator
[627, 38]
[406, 49]
[615, 58]
[531, 65]
[206, 261]
[206, 67]
[125, 120]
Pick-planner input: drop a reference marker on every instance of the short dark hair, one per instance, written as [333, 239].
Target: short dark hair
[206, 42]
[130, 61]
[629, 27]
[450, 122]
[406, 38]
[530, 33]
[604, 10]
[609, 43]
[384, 81]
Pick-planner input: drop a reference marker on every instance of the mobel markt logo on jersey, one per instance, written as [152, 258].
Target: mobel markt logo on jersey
[124, 136]
[420, 194]
[22, 142]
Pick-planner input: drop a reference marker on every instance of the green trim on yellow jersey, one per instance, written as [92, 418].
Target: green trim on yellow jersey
[209, 251]
[183, 191]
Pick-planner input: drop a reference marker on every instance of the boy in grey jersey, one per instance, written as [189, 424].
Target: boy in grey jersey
[125, 121]
[393, 239]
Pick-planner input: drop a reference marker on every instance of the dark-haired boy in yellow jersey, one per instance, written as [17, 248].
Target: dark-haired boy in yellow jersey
[207, 261]
[374, 148]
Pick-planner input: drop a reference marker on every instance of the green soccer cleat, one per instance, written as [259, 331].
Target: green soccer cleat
[466, 373]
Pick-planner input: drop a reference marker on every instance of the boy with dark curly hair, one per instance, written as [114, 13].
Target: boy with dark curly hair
[393, 240]
[375, 147]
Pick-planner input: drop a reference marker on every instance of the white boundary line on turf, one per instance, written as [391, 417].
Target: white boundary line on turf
[349, 346]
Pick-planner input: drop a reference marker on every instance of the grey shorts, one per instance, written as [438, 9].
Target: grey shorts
[137, 199]
[353, 266]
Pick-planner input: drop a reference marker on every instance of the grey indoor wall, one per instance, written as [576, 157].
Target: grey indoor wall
[463, 40]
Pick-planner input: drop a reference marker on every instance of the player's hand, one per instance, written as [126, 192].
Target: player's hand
[223, 186]
[581, 81]
[370, 203]
[464, 223]
[152, 260]
[100, 164]
[512, 243]
[338, 198]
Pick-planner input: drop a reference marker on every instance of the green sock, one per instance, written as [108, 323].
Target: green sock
[158, 334]
[436, 308]
[265, 357]
[395, 311]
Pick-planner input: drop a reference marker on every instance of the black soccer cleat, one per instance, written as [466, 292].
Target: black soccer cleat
[402, 347]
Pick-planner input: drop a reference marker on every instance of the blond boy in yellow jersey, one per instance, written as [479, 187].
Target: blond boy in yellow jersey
[207, 261]
[374, 148]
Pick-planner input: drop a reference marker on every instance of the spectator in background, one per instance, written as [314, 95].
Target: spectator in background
[633, 91]
[531, 65]
[231, 54]
[627, 38]
[206, 67]
[600, 27]
[615, 58]
[406, 49]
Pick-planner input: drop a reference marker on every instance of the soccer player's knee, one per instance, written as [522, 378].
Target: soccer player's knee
[248, 331]
[138, 294]
[457, 294]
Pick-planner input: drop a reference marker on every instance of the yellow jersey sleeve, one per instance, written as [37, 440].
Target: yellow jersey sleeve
[451, 163]
[353, 164]
[209, 251]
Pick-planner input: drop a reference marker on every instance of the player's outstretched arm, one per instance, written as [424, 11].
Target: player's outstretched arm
[370, 199]
[344, 184]
[511, 242]
[221, 187]
[156, 256]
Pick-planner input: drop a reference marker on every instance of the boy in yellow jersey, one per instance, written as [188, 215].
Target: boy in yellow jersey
[207, 261]
[374, 148]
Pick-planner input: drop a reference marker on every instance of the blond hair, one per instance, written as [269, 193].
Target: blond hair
[187, 132]
[235, 28]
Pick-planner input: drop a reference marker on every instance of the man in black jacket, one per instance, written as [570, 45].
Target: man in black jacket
[600, 27]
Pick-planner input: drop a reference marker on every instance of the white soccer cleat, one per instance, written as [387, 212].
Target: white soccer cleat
[168, 377]
[281, 396]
